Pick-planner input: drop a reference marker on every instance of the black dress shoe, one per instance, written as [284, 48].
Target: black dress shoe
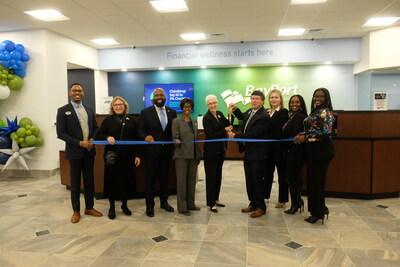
[126, 210]
[214, 209]
[111, 214]
[195, 208]
[167, 207]
[220, 205]
[150, 212]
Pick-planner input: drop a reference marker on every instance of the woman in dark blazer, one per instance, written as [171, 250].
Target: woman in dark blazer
[187, 157]
[119, 178]
[294, 153]
[215, 127]
[279, 116]
[319, 151]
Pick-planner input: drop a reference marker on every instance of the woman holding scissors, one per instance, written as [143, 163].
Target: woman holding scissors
[215, 126]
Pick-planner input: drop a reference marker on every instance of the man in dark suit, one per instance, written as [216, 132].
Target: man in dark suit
[76, 125]
[155, 125]
[256, 126]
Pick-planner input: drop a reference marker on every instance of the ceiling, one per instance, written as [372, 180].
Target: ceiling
[136, 23]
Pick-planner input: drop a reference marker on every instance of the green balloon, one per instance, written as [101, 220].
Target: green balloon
[21, 132]
[16, 83]
[35, 131]
[31, 140]
[39, 141]
[21, 140]
[23, 144]
[28, 132]
[25, 121]
[2, 123]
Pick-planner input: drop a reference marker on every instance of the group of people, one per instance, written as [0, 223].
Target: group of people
[76, 125]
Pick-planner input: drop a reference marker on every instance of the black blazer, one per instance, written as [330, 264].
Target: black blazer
[69, 130]
[215, 129]
[258, 128]
[149, 124]
[278, 120]
[294, 152]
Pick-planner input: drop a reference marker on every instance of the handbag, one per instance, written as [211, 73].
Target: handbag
[110, 156]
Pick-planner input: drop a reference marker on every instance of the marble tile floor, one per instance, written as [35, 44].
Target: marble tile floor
[35, 230]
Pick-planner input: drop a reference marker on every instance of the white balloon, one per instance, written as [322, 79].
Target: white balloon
[4, 91]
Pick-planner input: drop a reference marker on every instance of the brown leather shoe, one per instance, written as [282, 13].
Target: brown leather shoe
[75, 217]
[257, 213]
[248, 209]
[93, 212]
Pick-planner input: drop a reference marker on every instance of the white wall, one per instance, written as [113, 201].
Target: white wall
[45, 87]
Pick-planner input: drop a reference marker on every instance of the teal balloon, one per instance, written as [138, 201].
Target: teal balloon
[16, 83]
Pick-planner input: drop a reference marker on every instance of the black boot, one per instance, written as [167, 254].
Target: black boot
[297, 202]
[111, 211]
[125, 209]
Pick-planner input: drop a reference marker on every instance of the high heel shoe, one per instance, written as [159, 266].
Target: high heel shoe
[314, 219]
[294, 208]
[214, 209]
[126, 210]
[219, 204]
[326, 212]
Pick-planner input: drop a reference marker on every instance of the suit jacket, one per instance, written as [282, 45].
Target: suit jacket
[149, 124]
[278, 120]
[69, 129]
[258, 128]
[182, 132]
[215, 129]
[294, 152]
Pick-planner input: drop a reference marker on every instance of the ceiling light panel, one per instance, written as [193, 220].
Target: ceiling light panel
[193, 36]
[383, 21]
[291, 32]
[104, 41]
[306, 2]
[166, 6]
[47, 15]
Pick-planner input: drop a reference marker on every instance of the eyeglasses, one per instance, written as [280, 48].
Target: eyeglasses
[76, 91]
[118, 105]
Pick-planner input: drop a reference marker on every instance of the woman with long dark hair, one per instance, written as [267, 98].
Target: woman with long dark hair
[319, 151]
[294, 153]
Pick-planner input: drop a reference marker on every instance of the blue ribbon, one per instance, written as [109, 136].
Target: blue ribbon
[198, 141]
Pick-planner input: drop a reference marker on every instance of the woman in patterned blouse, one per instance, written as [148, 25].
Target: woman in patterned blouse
[319, 151]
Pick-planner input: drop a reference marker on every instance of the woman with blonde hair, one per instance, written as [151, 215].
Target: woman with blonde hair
[279, 116]
[119, 177]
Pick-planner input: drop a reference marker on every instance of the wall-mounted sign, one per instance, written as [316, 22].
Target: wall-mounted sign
[380, 100]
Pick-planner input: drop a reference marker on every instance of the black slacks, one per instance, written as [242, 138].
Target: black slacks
[157, 166]
[213, 168]
[255, 184]
[82, 167]
[319, 155]
[276, 158]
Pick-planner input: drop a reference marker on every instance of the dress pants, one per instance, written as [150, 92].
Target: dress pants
[213, 168]
[82, 167]
[186, 170]
[276, 158]
[157, 165]
[255, 184]
[319, 154]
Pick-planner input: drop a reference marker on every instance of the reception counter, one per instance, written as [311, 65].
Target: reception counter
[365, 166]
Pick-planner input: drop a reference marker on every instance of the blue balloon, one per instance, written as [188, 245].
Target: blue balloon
[20, 63]
[5, 142]
[15, 55]
[8, 45]
[20, 48]
[1, 57]
[25, 58]
[20, 73]
[5, 64]
[7, 57]
[3, 158]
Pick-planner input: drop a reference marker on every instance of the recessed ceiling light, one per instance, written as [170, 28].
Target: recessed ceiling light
[161, 68]
[203, 66]
[383, 21]
[47, 15]
[124, 70]
[291, 32]
[285, 64]
[104, 41]
[328, 62]
[304, 2]
[165, 6]
[193, 36]
[243, 65]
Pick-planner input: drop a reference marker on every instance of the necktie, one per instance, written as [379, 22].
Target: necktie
[163, 119]
[83, 122]
[249, 119]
